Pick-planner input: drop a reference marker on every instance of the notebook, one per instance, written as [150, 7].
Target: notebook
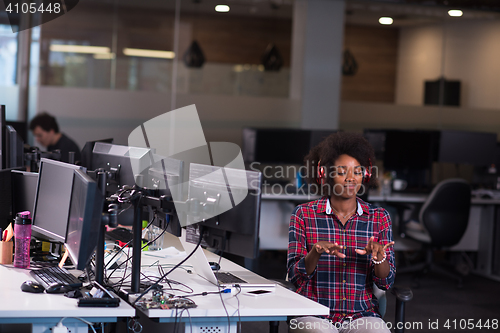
[202, 267]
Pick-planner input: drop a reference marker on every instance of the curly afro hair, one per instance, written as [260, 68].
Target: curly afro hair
[329, 150]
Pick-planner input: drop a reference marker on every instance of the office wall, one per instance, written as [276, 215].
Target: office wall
[355, 116]
[375, 50]
[91, 114]
[465, 50]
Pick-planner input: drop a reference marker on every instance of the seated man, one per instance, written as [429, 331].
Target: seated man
[46, 132]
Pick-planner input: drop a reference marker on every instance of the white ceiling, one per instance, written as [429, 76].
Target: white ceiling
[365, 12]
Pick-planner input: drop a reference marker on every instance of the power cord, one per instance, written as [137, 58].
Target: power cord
[165, 275]
[60, 328]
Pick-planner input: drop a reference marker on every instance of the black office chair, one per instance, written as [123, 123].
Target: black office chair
[403, 295]
[442, 222]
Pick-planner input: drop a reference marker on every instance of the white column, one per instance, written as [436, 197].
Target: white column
[318, 32]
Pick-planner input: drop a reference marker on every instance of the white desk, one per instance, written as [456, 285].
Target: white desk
[210, 310]
[46, 310]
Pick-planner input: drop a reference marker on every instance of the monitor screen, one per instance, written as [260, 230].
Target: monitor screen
[275, 146]
[235, 228]
[376, 138]
[84, 219]
[14, 148]
[280, 145]
[2, 136]
[463, 147]
[87, 152]
[52, 199]
[408, 149]
[6, 200]
[23, 190]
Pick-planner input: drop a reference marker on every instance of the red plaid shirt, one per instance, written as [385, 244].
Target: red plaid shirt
[344, 285]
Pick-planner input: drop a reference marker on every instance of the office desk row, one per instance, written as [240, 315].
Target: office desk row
[43, 310]
[46, 310]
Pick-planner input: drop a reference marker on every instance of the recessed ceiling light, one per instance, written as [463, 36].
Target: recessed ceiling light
[385, 20]
[148, 53]
[455, 12]
[79, 49]
[222, 8]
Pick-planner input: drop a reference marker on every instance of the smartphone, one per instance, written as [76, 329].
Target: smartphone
[258, 292]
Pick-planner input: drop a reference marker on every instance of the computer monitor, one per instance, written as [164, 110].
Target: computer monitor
[2, 136]
[410, 153]
[166, 177]
[14, 148]
[376, 138]
[87, 150]
[129, 163]
[139, 166]
[24, 185]
[86, 203]
[276, 145]
[410, 149]
[6, 198]
[464, 147]
[235, 230]
[52, 199]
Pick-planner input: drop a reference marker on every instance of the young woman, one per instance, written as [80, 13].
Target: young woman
[339, 245]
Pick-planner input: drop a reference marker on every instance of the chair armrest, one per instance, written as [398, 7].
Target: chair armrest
[285, 284]
[403, 294]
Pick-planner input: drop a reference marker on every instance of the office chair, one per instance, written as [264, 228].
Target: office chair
[442, 222]
[403, 295]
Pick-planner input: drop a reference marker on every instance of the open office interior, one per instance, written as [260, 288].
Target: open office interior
[275, 77]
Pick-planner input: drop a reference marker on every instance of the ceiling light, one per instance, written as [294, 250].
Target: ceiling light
[104, 56]
[222, 8]
[455, 13]
[148, 53]
[79, 49]
[385, 20]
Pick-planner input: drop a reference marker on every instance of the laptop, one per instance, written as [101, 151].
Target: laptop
[200, 263]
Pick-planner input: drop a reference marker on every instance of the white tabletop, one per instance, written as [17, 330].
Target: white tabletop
[275, 306]
[18, 304]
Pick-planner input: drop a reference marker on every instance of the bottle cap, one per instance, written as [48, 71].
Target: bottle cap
[23, 218]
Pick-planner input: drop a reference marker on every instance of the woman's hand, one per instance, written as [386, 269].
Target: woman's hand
[376, 249]
[330, 248]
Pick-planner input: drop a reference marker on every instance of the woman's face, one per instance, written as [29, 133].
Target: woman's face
[347, 175]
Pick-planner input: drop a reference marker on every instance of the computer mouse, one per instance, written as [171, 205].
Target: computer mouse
[486, 196]
[58, 288]
[32, 287]
[214, 266]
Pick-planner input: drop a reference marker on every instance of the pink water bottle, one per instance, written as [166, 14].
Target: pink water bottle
[22, 235]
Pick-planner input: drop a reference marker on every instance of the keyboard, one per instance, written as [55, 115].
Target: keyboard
[227, 278]
[51, 275]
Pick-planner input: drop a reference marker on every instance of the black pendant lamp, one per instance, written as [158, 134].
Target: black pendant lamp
[272, 59]
[194, 57]
[349, 64]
